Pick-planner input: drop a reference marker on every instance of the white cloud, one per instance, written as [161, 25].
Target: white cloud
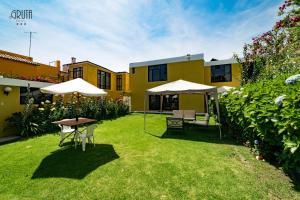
[115, 33]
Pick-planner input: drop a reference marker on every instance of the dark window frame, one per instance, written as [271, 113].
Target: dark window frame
[77, 72]
[133, 70]
[221, 78]
[103, 80]
[34, 93]
[169, 103]
[161, 71]
[156, 102]
[119, 82]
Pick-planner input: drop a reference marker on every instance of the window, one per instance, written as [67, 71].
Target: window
[119, 82]
[170, 102]
[154, 102]
[157, 73]
[77, 72]
[103, 79]
[221, 73]
[34, 93]
[133, 70]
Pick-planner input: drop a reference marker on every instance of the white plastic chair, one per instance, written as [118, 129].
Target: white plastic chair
[63, 131]
[88, 133]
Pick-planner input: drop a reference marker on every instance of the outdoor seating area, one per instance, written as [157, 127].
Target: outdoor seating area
[127, 164]
[76, 135]
[180, 117]
[162, 100]
[183, 118]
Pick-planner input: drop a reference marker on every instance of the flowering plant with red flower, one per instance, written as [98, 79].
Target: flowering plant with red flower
[275, 51]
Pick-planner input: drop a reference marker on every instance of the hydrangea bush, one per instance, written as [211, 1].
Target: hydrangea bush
[268, 111]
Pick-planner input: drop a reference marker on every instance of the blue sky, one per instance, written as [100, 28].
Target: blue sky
[115, 33]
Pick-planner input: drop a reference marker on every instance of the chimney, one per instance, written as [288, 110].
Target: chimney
[73, 60]
[57, 63]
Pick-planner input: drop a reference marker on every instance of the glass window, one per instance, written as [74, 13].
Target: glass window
[221, 73]
[77, 72]
[170, 102]
[103, 79]
[119, 82]
[133, 70]
[154, 102]
[34, 93]
[157, 73]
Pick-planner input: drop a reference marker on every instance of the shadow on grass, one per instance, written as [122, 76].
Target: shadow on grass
[69, 162]
[208, 134]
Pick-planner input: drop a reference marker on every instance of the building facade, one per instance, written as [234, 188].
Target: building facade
[17, 72]
[116, 84]
[148, 74]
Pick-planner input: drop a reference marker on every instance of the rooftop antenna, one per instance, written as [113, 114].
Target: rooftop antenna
[30, 35]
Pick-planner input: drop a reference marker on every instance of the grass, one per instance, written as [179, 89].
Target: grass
[128, 163]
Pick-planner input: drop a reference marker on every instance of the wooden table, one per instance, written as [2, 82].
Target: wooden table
[75, 123]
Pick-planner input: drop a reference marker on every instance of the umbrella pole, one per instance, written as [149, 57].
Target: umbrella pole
[77, 107]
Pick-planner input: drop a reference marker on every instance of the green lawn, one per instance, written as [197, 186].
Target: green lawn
[128, 163]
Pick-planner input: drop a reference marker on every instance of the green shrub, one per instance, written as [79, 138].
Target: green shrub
[37, 119]
[250, 113]
[26, 121]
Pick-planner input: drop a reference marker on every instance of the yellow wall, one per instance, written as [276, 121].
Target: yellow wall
[90, 75]
[190, 70]
[16, 69]
[236, 76]
[8, 105]
[13, 68]
[193, 71]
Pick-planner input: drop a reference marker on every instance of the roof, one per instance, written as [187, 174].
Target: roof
[187, 57]
[221, 62]
[86, 61]
[23, 83]
[17, 59]
[180, 87]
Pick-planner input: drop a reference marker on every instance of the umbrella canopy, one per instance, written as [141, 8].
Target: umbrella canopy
[224, 89]
[76, 85]
[181, 86]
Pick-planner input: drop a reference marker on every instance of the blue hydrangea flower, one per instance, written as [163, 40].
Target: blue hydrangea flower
[292, 79]
[279, 100]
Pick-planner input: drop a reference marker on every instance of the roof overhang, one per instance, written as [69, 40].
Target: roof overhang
[23, 83]
[221, 62]
[168, 60]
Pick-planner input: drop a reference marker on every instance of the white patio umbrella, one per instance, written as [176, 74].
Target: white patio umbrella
[77, 86]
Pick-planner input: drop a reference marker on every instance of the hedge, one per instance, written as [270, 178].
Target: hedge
[268, 111]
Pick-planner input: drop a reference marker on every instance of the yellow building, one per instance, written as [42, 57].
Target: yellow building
[16, 72]
[145, 75]
[116, 84]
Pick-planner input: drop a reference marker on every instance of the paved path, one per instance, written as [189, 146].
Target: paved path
[9, 138]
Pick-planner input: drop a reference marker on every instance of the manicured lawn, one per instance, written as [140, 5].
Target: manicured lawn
[130, 164]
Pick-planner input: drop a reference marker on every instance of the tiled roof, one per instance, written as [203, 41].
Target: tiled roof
[18, 59]
[86, 61]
